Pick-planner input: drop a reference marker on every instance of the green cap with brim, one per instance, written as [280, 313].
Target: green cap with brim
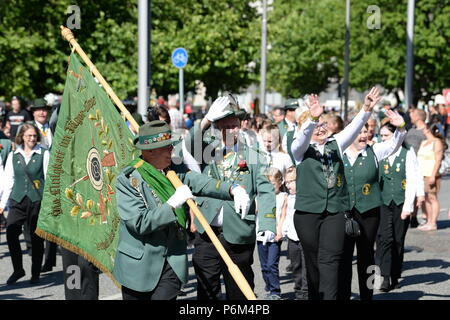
[155, 134]
[291, 104]
[39, 104]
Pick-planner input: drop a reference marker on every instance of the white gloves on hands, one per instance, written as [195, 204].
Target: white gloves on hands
[241, 200]
[266, 236]
[181, 195]
[218, 109]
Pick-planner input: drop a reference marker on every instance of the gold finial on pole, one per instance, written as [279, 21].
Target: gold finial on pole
[67, 33]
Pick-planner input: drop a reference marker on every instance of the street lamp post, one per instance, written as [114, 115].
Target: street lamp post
[409, 55]
[346, 58]
[263, 57]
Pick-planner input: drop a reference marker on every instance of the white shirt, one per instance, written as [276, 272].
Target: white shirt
[45, 134]
[279, 205]
[176, 120]
[279, 160]
[9, 171]
[288, 225]
[414, 178]
[382, 150]
[344, 138]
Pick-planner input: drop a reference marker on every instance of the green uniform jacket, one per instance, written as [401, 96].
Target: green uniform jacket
[362, 182]
[283, 127]
[393, 179]
[253, 179]
[313, 194]
[5, 150]
[148, 232]
[22, 185]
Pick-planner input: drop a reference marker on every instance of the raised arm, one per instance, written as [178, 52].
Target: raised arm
[345, 138]
[303, 136]
[386, 148]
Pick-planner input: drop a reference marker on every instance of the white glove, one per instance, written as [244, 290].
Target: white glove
[268, 236]
[241, 200]
[181, 195]
[218, 109]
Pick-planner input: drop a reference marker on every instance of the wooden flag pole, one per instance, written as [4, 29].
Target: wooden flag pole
[232, 267]
[171, 175]
[68, 35]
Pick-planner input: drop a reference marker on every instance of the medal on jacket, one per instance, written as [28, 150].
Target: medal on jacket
[386, 169]
[398, 167]
[327, 168]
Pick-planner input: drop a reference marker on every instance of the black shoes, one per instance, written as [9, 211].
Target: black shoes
[394, 284]
[414, 223]
[385, 287]
[34, 280]
[15, 276]
[46, 268]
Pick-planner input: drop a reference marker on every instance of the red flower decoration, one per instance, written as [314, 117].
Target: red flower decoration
[1, 146]
[242, 164]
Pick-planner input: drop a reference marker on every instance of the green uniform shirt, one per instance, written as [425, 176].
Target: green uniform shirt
[246, 167]
[289, 139]
[22, 186]
[362, 182]
[283, 127]
[393, 179]
[313, 194]
[148, 232]
[5, 149]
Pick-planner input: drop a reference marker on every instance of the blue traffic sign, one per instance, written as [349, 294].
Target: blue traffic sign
[179, 58]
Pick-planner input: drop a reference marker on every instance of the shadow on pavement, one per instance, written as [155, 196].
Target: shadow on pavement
[429, 278]
[407, 295]
[431, 263]
[48, 280]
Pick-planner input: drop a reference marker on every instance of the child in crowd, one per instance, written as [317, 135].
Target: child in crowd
[295, 250]
[269, 252]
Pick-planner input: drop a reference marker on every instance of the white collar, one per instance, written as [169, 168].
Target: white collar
[36, 149]
[363, 152]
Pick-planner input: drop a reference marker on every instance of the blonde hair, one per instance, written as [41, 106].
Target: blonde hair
[275, 173]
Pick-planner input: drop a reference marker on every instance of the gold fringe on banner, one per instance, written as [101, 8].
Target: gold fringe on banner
[67, 245]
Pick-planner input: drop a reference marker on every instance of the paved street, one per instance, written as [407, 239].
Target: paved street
[426, 273]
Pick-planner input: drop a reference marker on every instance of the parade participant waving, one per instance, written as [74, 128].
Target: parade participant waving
[361, 163]
[151, 259]
[224, 155]
[25, 172]
[400, 181]
[322, 195]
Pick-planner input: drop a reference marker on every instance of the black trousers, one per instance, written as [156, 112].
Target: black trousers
[368, 222]
[167, 288]
[322, 238]
[50, 254]
[87, 286]
[298, 264]
[391, 240]
[209, 266]
[20, 213]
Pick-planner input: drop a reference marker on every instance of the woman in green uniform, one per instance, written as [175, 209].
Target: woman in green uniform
[361, 163]
[25, 173]
[322, 196]
[400, 181]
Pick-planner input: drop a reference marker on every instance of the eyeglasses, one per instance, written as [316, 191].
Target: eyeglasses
[322, 125]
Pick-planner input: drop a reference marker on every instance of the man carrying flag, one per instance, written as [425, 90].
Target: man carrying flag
[151, 261]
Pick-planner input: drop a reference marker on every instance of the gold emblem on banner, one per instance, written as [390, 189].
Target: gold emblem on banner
[366, 189]
[404, 184]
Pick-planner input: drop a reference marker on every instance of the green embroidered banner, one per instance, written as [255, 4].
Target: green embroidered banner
[92, 144]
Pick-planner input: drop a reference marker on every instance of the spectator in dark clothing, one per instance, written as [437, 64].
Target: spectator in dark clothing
[16, 116]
